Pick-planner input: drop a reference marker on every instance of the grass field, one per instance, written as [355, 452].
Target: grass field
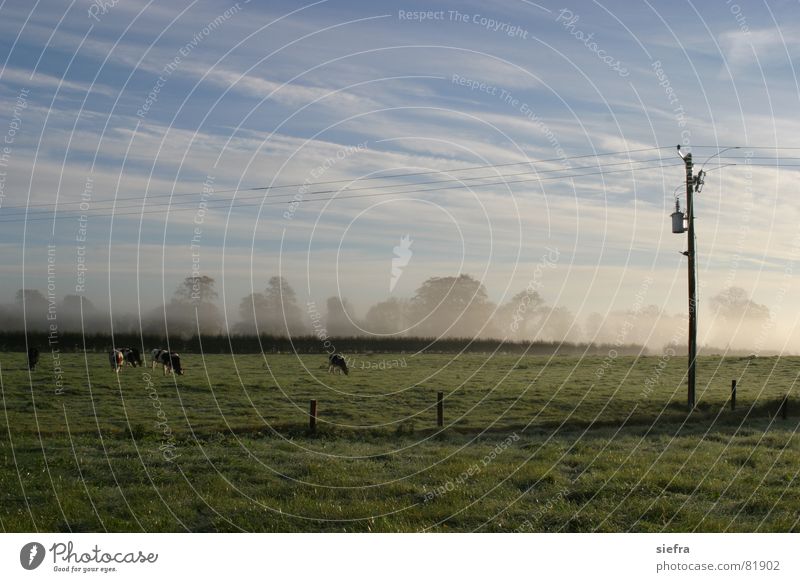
[529, 444]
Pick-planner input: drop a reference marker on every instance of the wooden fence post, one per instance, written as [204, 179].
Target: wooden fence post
[312, 416]
[440, 408]
[733, 394]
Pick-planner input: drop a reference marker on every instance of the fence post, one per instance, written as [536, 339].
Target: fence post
[440, 408]
[733, 394]
[312, 416]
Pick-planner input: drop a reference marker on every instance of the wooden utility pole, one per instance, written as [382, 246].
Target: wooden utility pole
[690, 254]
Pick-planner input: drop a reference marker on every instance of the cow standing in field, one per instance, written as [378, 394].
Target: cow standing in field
[33, 358]
[132, 357]
[337, 364]
[155, 357]
[171, 362]
[117, 359]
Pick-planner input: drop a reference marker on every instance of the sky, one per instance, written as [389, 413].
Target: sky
[134, 135]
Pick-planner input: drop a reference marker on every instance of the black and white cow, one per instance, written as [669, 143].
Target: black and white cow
[337, 364]
[33, 358]
[132, 357]
[117, 359]
[155, 357]
[171, 362]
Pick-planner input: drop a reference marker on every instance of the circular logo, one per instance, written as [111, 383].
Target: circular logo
[31, 555]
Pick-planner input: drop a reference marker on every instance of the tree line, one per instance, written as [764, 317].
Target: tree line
[454, 309]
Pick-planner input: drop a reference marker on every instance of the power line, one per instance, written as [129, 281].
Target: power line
[346, 197]
[390, 176]
[355, 196]
[232, 202]
[393, 176]
[142, 202]
[748, 147]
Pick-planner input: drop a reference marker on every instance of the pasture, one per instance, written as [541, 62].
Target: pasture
[528, 444]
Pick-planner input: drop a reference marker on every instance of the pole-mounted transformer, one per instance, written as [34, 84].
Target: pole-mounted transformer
[677, 218]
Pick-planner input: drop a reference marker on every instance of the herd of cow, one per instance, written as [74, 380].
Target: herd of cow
[124, 356]
[121, 357]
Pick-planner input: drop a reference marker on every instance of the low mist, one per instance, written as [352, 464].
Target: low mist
[442, 307]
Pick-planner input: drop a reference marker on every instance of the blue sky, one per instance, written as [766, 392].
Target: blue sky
[148, 101]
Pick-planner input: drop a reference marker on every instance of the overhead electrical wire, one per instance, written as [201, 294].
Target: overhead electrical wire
[23, 209]
[387, 177]
[400, 175]
[267, 202]
[232, 203]
[31, 212]
[745, 147]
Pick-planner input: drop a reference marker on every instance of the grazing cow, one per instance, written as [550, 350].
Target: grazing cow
[33, 358]
[155, 356]
[171, 362]
[117, 359]
[132, 357]
[337, 364]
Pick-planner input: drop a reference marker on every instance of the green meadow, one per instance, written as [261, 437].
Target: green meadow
[539, 444]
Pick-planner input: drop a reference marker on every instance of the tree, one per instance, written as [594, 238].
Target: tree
[558, 324]
[252, 314]
[739, 322]
[192, 309]
[451, 307]
[69, 314]
[594, 328]
[733, 303]
[339, 318]
[387, 317]
[516, 317]
[282, 299]
[35, 308]
[275, 311]
[30, 298]
[198, 290]
[74, 303]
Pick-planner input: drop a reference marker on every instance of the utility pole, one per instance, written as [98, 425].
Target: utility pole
[690, 254]
[693, 184]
